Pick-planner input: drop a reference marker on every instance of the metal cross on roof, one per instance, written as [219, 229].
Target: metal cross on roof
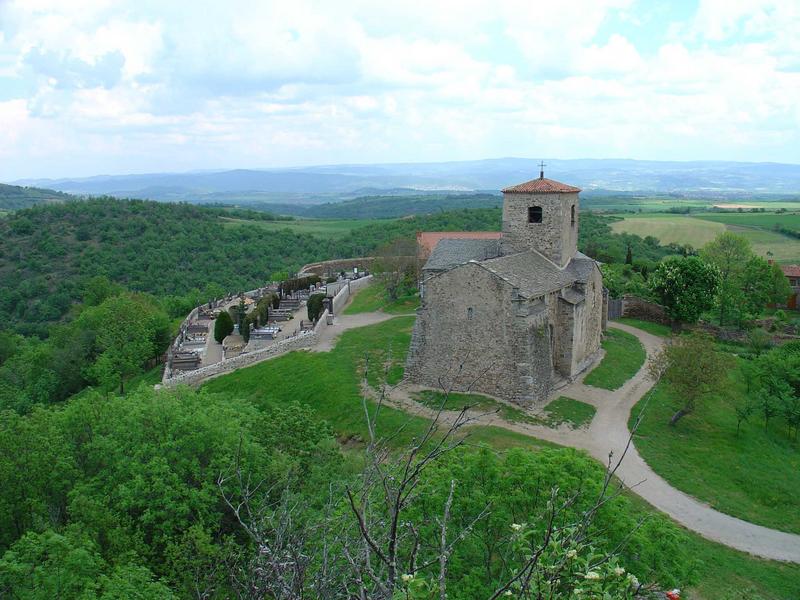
[541, 169]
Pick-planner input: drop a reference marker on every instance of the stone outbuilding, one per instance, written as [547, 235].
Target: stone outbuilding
[514, 316]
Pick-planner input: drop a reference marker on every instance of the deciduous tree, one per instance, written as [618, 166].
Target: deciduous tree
[125, 341]
[397, 266]
[693, 368]
[732, 254]
[685, 286]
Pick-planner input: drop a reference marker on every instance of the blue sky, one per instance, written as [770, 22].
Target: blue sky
[98, 86]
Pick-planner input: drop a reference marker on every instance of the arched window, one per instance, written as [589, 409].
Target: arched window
[534, 214]
[573, 215]
[469, 314]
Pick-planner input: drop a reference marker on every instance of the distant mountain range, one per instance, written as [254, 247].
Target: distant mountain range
[337, 182]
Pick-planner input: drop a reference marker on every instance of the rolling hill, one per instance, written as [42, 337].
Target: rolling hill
[14, 197]
[319, 184]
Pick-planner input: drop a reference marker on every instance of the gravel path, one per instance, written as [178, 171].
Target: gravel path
[608, 432]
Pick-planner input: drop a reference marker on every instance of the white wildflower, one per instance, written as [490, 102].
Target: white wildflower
[593, 575]
[516, 526]
[407, 577]
[633, 581]
[619, 571]
[572, 553]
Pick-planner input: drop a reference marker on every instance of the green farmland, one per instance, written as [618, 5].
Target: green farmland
[759, 220]
[670, 229]
[699, 229]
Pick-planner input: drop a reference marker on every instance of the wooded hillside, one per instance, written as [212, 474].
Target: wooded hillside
[14, 197]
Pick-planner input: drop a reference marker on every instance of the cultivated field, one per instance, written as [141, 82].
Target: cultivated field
[649, 204]
[699, 229]
[760, 220]
[677, 229]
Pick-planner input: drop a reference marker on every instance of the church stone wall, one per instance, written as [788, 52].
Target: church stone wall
[502, 350]
[462, 352]
[588, 324]
[556, 236]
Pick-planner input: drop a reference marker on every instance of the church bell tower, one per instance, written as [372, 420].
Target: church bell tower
[541, 215]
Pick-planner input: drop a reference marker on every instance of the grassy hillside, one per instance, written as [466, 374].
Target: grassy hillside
[754, 474]
[669, 228]
[699, 229]
[328, 382]
[14, 197]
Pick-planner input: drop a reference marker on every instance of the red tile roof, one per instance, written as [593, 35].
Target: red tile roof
[542, 185]
[427, 240]
[791, 270]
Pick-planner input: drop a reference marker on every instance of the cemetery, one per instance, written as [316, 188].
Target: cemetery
[259, 329]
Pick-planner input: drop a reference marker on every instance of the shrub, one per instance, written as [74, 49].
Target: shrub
[223, 326]
[315, 306]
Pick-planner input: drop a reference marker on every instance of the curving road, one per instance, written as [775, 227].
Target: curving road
[608, 432]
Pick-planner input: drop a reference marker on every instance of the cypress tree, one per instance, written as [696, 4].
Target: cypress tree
[223, 326]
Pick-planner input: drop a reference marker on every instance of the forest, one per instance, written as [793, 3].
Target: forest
[115, 490]
[48, 254]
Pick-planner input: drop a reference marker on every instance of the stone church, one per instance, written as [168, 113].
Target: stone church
[516, 316]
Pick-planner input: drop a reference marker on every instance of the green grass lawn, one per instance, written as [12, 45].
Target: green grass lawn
[726, 574]
[477, 402]
[754, 476]
[624, 357]
[329, 384]
[561, 410]
[567, 410]
[374, 298]
[648, 326]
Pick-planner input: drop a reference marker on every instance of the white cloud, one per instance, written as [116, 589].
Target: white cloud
[115, 86]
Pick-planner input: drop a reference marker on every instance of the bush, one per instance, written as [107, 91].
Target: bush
[315, 306]
[223, 326]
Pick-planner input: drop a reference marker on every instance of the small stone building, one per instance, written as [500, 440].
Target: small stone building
[516, 316]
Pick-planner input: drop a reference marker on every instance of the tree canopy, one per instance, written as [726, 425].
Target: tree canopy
[685, 286]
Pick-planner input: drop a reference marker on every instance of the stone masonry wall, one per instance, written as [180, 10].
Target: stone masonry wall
[343, 295]
[303, 340]
[465, 353]
[588, 324]
[510, 346]
[556, 237]
[328, 267]
[638, 308]
[502, 350]
[534, 349]
[306, 339]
